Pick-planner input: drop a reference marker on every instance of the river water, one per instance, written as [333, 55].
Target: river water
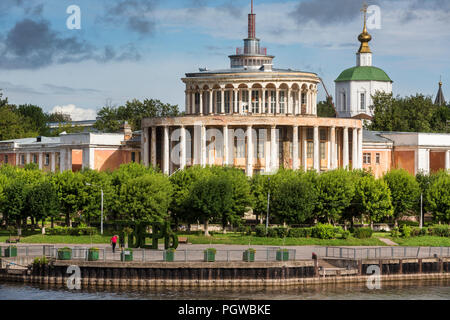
[409, 290]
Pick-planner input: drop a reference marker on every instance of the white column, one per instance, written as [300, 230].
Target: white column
[333, 158]
[88, 158]
[288, 101]
[277, 102]
[201, 102]
[53, 160]
[17, 159]
[28, 158]
[69, 159]
[62, 160]
[145, 145]
[355, 149]
[222, 101]
[153, 154]
[241, 107]
[250, 107]
[236, 104]
[225, 146]
[295, 156]
[360, 148]
[203, 146]
[316, 149]
[40, 160]
[193, 111]
[166, 150]
[345, 150]
[273, 149]
[211, 94]
[305, 149]
[263, 99]
[182, 147]
[249, 151]
[447, 160]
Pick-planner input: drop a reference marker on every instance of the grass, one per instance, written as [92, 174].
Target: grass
[39, 238]
[422, 241]
[237, 238]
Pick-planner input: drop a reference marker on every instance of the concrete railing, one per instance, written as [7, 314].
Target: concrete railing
[383, 252]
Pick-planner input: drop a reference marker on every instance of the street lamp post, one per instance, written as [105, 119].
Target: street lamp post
[268, 204]
[101, 206]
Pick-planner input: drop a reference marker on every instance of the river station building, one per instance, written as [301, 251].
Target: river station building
[252, 116]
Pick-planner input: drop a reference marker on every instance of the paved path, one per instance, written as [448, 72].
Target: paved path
[388, 242]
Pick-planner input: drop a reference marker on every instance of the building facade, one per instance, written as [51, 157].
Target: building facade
[97, 151]
[254, 117]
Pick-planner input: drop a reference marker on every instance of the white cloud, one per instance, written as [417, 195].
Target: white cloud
[77, 114]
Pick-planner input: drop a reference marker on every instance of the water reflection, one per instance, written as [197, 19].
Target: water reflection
[418, 289]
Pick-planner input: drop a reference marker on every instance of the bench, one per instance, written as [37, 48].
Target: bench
[13, 240]
[182, 240]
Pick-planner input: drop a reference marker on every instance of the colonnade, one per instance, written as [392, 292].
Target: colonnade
[337, 147]
[258, 100]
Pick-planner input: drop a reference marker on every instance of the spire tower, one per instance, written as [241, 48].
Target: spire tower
[252, 24]
[440, 100]
[364, 55]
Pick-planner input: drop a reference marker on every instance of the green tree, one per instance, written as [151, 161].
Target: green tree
[42, 201]
[69, 186]
[405, 192]
[36, 118]
[259, 186]
[294, 199]
[373, 198]
[326, 109]
[110, 118]
[438, 198]
[146, 198]
[14, 204]
[13, 125]
[210, 197]
[335, 190]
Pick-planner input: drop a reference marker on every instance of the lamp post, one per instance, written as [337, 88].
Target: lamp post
[268, 206]
[101, 206]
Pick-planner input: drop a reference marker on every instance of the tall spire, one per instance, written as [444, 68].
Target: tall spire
[364, 37]
[440, 96]
[252, 24]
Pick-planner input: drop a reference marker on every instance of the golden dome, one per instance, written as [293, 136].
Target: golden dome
[364, 37]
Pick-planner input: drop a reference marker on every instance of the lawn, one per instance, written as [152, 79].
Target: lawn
[422, 241]
[39, 238]
[237, 238]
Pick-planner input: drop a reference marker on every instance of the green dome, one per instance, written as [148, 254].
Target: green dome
[363, 74]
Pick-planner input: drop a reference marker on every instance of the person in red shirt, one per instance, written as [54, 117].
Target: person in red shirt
[114, 243]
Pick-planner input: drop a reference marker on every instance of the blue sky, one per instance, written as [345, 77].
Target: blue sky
[140, 49]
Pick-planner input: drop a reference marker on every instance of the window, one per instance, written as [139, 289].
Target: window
[259, 148]
[197, 102]
[303, 98]
[218, 101]
[309, 134]
[239, 147]
[227, 101]
[35, 158]
[47, 159]
[377, 158]
[367, 158]
[323, 134]
[22, 159]
[310, 150]
[6, 158]
[133, 157]
[255, 101]
[282, 97]
[273, 102]
[344, 101]
[323, 148]
[363, 101]
[244, 98]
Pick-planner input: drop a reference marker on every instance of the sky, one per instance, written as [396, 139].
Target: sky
[126, 49]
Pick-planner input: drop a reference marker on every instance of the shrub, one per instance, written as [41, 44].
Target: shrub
[40, 261]
[324, 231]
[300, 232]
[282, 232]
[260, 230]
[272, 232]
[345, 234]
[94, 249]
[416, 231]
[338, 229]
[408, 223]
[405, 231]
[439, 230]
[212, 250]
[395, 233]
[363, 233]
[67, 231]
